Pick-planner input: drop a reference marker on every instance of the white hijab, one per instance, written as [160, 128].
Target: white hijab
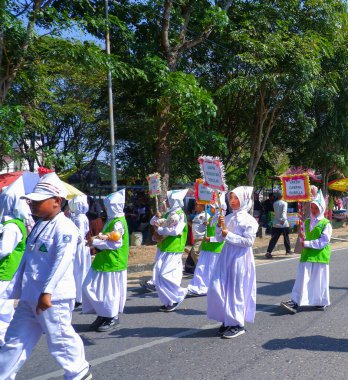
[79, 205]
[319, 200]
[176, 199]
[11, 206]
[245, 196]
[114, 204]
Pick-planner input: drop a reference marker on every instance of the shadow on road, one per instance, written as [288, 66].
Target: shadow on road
[310, 343]
[275, 288]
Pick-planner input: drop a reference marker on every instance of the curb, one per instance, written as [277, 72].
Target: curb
[136, 268]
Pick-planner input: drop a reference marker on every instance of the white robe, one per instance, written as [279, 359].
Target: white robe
[232, 291]
[311, 286]
[167, 274]
[105, 293]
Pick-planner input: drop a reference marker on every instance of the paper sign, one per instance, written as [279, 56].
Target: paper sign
[296, 188]
[154, 181]
[203, 194]
[213, 173]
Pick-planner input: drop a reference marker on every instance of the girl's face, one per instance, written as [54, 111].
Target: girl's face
[234, 201]
[315, 210]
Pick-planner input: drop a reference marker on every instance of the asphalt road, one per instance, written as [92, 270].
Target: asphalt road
[184, 345]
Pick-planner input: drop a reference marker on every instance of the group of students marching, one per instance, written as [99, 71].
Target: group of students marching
[50, 270]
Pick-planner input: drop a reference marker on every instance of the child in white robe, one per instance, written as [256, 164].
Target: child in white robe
[232, 291]
[311, 286]
[105, 286]
[210, 251]
[168, 267]
[78, 207]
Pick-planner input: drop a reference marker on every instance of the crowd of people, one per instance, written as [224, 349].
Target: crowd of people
[48, 267]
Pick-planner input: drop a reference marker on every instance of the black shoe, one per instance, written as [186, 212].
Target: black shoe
[289, 253]
[322, 308]
[290, 306]
[108, 324]
[98, 321]
[268, 255]
[174, 306]
[88, 376]
[222, 329]
[163, 308]
[233, 332]
[77, 305]
[148, 286]
[191, 294]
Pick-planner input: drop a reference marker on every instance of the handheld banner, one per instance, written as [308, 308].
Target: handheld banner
[296, 188]
[213, 172]
[203, 194]
[154, 181]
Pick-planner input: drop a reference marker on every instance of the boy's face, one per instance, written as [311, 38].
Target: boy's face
[234, 201]
[47, 208]
[199, 207]
[212, 210]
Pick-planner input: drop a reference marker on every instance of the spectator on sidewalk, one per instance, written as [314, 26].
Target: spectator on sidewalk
[280, 226]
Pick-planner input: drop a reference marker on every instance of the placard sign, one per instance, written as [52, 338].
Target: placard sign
[154, 181]
[296, 188]
[213, 173]
[203, 194]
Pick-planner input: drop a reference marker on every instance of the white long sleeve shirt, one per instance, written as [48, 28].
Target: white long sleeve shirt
[324, 239]
[11, 237]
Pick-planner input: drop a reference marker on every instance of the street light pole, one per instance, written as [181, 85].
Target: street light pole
[111, 106]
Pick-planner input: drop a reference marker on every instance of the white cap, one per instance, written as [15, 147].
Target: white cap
[48, 186]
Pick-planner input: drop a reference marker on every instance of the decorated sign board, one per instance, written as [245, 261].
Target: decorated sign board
[203, 194]
[154, 181]
[296, 188]
[213, 173]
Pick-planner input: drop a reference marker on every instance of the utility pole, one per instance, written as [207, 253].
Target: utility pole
[111, 106]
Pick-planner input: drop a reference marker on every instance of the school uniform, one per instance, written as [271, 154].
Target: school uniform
[231, 295]
[46, 267]
[167, 274]
[105, 286]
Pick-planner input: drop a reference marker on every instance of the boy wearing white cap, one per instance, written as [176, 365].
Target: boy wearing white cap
[78, 207]
[47, 288]
[209, 252]
[105, 286]
[13, 235]
[168, 267]
[311, 286]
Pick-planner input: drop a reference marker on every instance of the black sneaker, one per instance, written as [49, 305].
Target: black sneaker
[77, 305]
[233, 332]
[192, 294]
[322, 308]
[108, 324]
[289, 253]
[98, 321]
[148, 286]
[163, 308]
[88, 376]
[290, 306]
[174, 306]
[268, 255]
[222, 329]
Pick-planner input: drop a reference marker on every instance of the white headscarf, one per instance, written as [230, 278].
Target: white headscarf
[11, 206]
[320, 202]
[222, 197]
[114, 204]
[245, 196]
[176, 199]
[79, 205]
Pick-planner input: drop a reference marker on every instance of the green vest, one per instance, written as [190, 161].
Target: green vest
[10, 263]
[312, 255]
[174, 244]
[215, 247]
[113, 260]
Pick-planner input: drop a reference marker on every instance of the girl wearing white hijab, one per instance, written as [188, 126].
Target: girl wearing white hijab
[78, 207]
[105, 286]
[167, 273]
[232, 290]
[311, 287]
[209, 253]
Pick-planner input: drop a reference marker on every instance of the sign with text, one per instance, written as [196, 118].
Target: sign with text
[296, 188]
[203, 194]
[213, 172]
[154, 181]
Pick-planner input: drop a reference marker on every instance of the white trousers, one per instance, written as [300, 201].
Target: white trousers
[82, 263]
[167, 278]
[203, 272]
[311, 287]
[6, 314]
[25, 330]
[104, 293]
